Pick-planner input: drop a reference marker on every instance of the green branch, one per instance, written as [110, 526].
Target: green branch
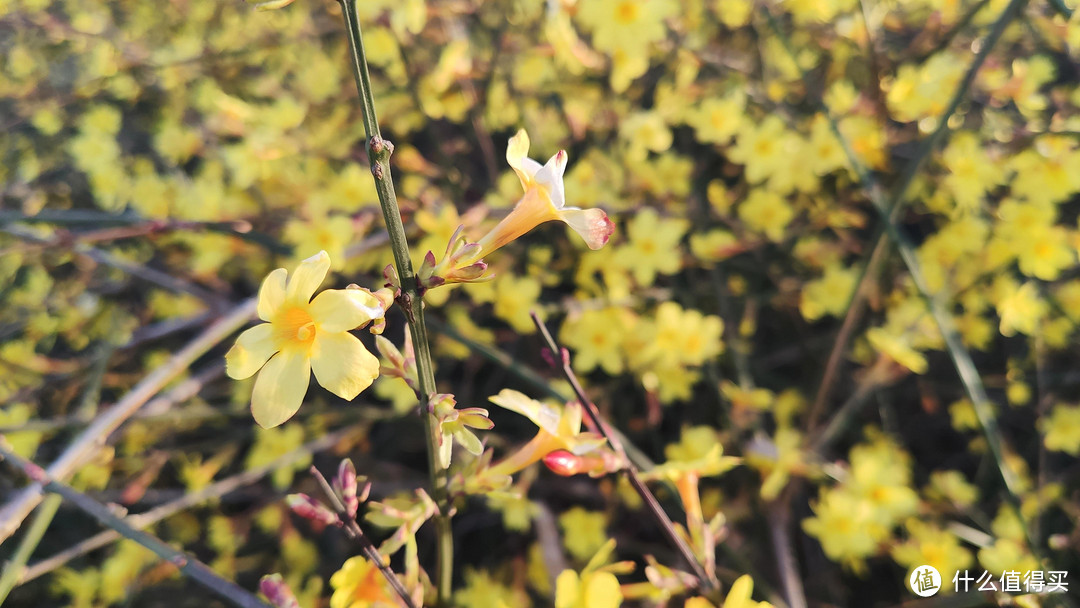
[379, 151]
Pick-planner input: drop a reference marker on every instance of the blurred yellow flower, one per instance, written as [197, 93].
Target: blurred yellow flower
[359, 584]
[1062, 429]
[583, 532]
[653, 246]
[767, 213]
[302, 335]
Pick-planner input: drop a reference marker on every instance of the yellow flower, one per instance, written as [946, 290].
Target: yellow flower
[1062, 429]
[1021, 310]
[558, 430]
[544, 200]
[584, 532]
[739, 596]
[591, 590]
[359, 584]
[654, 246]
[626, 25]
[766, 212]
[302, 335]
[932, 546]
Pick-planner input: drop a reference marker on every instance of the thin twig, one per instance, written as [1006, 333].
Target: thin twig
[188, 565]
[150, 275]
[87, 444]
[379, 151]
[658, 513]
[356, 533]
[779, 531]
[186, 501]
[16, 568]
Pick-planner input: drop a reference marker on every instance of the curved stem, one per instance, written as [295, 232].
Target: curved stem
[379, 151]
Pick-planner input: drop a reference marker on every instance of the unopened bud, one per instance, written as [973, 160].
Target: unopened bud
[311, 509]
[345, 485]
[277, 592]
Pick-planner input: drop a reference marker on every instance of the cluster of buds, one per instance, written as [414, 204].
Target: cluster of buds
[460, 264]
[348, 489]
[398, 365]
[454, 425]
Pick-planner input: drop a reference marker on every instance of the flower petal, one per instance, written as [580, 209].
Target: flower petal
[342, 365]
[517, 156]
[469, 441]
[250, 352]
[592, 224]
[280, 387]
[541, 414]
[550, 176]
[306, 278]
[338, 310]
[272, 294]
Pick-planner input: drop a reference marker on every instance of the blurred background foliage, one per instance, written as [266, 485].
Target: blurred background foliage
[158, 159]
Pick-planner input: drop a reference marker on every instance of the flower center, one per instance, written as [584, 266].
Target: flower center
[626, 12]
[296, 325]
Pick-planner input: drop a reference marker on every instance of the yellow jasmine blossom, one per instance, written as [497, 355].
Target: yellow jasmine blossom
[596, 585]
[767, 213]
[544, 200]
[739, 596]
[359, 584]
[654, 246]
[1062, 429]
[584, 531]
[559, 429]
[302, 335]
[932, 546]
[1021, 310]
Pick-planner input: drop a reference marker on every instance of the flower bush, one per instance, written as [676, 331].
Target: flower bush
[820, 281]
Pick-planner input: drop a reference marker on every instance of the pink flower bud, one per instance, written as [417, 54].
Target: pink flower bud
[277, 592]
[345, 486]
[564, 463]
[311, 509]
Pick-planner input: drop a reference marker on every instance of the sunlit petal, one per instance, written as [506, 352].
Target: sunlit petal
[342, 365]
[338, 310]
[280, 388]
[272, 294]
[592, 224]
[250, 352]
[306, 278]
[550, 176]
[517, 153]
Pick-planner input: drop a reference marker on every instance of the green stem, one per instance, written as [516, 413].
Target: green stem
[410, 299]
[15, 567]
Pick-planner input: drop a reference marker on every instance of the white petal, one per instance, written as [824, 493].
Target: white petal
[306, 278]
[592, 224]
[250, 352]
[342, 365]
[272, 294]
[551, 177]
[280, 388]
[338, 310]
